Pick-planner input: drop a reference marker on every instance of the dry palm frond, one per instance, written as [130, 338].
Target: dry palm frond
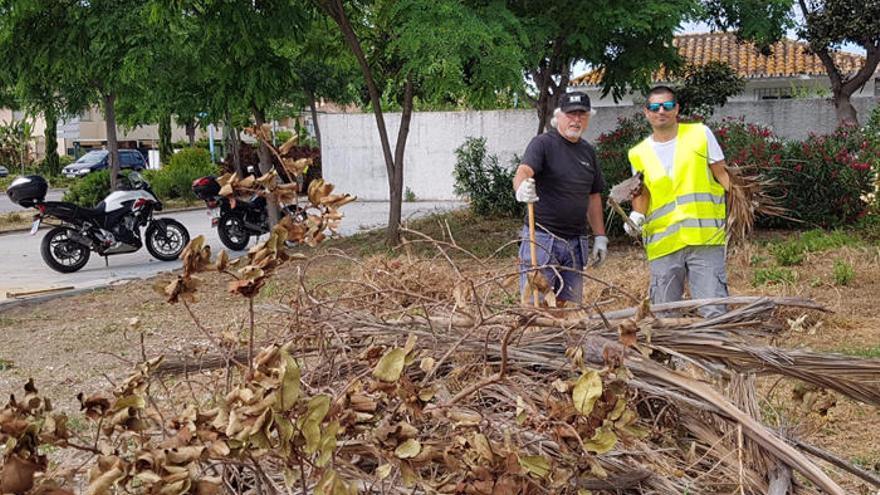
[749, 198]
[488, 388]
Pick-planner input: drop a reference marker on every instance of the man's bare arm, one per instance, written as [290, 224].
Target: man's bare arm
[719, 170]
[641, 202]
[523, 172]
[595, 215]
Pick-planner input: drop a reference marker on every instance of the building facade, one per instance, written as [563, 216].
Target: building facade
[789, 72]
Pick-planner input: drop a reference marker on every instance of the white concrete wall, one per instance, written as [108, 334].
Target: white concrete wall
[352, 159]
[351, 154]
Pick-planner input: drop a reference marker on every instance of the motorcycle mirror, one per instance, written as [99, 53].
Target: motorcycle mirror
[135, 178]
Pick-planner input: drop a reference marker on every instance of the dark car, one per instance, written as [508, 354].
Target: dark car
[100, 160]
[3, 171]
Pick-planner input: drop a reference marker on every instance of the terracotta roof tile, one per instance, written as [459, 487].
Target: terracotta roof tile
[789, 58]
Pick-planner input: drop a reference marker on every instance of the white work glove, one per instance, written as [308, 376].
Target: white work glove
[638, 219]
[526, 192]
[600, 249]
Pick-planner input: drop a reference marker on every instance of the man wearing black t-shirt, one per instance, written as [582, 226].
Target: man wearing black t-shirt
[562, 169]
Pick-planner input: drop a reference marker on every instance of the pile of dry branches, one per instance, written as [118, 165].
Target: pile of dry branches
[409, 378]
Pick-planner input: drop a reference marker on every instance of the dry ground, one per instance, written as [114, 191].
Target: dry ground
[82, 343]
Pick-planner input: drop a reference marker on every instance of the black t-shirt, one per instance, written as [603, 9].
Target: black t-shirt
[566, 174]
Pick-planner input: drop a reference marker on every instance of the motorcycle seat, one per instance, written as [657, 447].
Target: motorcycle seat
[66, 211]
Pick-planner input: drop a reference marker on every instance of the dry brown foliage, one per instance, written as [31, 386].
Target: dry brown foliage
[413, 376]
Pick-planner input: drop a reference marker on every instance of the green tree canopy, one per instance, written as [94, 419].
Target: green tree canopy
[431, 51]
[707, 86]
[84, 52]
[828, 24]
[627, 40]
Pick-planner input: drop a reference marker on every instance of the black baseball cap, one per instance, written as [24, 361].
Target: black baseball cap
[574, 101]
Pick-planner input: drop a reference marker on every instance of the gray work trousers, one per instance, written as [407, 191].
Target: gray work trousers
[704, 269]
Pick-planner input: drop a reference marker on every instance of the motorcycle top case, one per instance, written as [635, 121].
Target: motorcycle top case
[205, 187]
[28, 190]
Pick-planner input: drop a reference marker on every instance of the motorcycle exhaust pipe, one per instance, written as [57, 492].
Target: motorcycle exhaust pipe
[81, 239]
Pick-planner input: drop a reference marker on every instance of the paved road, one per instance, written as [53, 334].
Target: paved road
[7, 206]
[22, 268]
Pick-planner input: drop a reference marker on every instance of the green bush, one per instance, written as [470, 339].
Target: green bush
[88, 191]
[175, 179]
[487, 184]
[827, 178]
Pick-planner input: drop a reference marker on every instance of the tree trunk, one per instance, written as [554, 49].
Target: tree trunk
[846, 112]
[395, 180]
[843, 86]
[314, 108]
[336, 11]
[52, 164]
[112, 143]
[190, 127]
[548, 90]
[165, 149]
[265, 164]
[230, 135]
[541, 80]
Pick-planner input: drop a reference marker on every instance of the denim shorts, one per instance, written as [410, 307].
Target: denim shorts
[558, 257]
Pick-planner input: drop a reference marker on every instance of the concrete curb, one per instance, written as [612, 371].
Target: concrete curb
[8, 304]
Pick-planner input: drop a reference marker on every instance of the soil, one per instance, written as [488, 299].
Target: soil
[86, 342]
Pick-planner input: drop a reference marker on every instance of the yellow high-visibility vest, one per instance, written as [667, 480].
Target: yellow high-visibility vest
[687, 209]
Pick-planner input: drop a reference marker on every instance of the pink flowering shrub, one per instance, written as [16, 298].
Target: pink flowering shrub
[828, 178]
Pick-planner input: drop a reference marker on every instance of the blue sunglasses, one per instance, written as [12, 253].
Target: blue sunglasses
[666, 105]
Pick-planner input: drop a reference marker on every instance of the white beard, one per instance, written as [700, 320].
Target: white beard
[573, 133]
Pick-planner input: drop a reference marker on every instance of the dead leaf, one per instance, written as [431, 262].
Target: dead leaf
[586, 391]
[408, 449]
[537, 465]
[390, 366]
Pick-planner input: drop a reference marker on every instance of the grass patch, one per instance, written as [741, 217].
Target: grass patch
[791, 252]
[5, 364]
[844, 272]
[774, 275]
[818, 240]
[864, 352]
[788, 253]
[479, 235]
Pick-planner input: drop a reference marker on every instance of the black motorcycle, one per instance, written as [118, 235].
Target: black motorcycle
[236, 221]
[112, 227]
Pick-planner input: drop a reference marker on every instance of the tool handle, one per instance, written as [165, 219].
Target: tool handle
[533, 252]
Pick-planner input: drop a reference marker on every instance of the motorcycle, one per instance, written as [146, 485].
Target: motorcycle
[112, 227]
[237, 220]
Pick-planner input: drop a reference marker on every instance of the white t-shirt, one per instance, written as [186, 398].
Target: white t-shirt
[666, 152]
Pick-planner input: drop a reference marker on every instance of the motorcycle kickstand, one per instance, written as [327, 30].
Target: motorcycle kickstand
[106, 262]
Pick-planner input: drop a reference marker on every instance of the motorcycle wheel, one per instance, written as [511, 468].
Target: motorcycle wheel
[166, 244]
[61, 253]
[232, 232]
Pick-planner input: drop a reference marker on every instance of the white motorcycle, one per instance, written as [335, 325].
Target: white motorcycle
[112, 227]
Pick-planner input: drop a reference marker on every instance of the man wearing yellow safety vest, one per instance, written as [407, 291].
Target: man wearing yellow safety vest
[682, 210]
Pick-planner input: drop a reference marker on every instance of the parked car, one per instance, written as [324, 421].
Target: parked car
[100, 160]
[3, 171]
